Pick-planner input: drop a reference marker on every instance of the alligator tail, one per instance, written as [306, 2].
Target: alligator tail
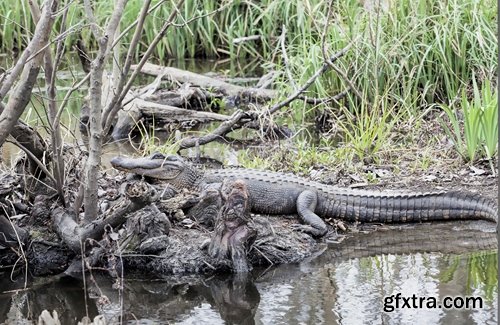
[416, 207]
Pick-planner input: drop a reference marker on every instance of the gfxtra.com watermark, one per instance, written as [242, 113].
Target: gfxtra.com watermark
[398, 301]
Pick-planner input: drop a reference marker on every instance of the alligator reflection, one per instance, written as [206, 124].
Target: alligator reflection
[284, 294]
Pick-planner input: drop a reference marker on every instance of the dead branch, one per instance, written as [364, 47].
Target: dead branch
[137, 195]
[240, 40]
[317, 101]
[310, 81]
[31, 141]
[171, 113]
[224, 128]
[139, 109]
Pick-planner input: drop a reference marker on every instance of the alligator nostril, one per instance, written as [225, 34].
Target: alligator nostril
[115, 161]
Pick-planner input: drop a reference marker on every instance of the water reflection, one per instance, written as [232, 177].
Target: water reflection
[345, 285]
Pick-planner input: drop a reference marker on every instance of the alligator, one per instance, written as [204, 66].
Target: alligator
[276, 193]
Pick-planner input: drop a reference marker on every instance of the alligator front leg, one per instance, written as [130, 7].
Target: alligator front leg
[306, 204]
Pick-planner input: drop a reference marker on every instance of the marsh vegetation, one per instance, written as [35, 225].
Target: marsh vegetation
[370, 94]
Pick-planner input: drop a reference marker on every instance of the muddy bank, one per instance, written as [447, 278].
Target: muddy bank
[142, 229]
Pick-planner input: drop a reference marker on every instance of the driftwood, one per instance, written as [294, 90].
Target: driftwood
[30, 140]
[238, 120]
[228, 89]
[184, 97]
[224, 128]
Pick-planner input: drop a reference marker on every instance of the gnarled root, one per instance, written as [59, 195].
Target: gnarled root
[232, 236]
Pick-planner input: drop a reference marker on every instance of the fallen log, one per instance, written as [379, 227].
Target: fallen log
[139, 109]
[184, 76]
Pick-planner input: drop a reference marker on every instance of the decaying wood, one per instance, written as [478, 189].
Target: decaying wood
[32, 142]
[137, 195]
[175, 114]
[185, 97]
[232, 235]
[138, 109]
[236, 121]
[184, 76]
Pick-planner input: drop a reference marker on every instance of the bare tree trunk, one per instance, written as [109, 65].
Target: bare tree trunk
[95, 95]
[50, 69]
[20, 97]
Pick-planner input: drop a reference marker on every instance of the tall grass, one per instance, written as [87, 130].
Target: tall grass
[431, 47]
[474, 131]
[416, 55]
[406, 60]
[210, 36]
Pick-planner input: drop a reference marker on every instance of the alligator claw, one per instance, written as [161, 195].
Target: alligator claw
[310, 230]
[303, 228]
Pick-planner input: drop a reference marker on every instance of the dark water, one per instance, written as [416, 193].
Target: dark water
[345, 284]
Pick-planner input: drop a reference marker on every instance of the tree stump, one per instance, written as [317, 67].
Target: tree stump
[232, 236]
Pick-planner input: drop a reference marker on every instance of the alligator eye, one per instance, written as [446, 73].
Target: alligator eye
[173, 158]
[157, 155]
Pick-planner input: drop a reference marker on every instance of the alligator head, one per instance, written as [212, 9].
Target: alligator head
[157, 166]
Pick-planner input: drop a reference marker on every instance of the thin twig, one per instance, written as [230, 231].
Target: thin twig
[20, 244]
[316, 101]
